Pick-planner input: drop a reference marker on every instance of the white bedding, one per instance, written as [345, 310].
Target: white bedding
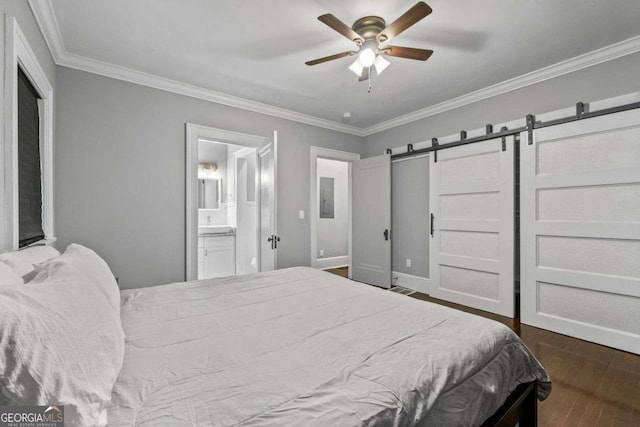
[300, 347]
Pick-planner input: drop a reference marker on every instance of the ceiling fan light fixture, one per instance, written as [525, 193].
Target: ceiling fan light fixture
[368, 33]
[381, 64]
[356, 67]
[367, 57]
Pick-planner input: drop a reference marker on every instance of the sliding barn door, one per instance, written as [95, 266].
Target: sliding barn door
[371, 259]
[472, 226]
[580, 235]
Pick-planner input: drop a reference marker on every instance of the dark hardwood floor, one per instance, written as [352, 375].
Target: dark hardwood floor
[593, 385]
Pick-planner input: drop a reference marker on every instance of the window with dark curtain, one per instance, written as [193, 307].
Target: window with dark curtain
[29, 172]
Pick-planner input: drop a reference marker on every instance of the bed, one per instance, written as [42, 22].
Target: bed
[299, 346]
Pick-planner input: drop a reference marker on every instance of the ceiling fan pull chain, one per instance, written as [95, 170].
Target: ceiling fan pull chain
[369, 90]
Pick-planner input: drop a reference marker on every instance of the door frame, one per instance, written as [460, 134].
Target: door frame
[329, 154]
[417, 283]
[193, 134]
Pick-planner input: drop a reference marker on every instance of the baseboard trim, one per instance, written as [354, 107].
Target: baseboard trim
[332, 262]
[419, 284]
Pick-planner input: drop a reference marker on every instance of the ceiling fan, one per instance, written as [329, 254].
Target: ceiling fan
[369, 33]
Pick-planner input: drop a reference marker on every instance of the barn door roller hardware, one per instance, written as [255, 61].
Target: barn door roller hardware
[488, 129]
[434, 145]
[531, 122]
[581, 108]
[503, 130]
[582, 113]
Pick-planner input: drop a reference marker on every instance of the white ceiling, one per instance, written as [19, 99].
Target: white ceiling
[256, 49]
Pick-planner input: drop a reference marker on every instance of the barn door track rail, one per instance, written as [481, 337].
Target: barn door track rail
[581, 114]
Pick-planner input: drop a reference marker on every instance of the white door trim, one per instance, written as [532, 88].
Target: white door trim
[19, 52]
[195, 133]
[325, 153]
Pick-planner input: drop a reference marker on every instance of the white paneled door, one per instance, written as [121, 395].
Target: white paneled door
[371, 259]
[580, 229]
[472, 226]
[268, 233]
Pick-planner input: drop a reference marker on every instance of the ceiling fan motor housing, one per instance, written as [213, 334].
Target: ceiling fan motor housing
[369, 27]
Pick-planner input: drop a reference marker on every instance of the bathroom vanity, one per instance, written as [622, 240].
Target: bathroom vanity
[216, 251]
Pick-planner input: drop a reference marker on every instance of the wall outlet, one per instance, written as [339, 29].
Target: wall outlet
[408, 262]
[301, 214]
[321, 252]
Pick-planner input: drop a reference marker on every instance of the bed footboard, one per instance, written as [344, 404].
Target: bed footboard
[521, 407]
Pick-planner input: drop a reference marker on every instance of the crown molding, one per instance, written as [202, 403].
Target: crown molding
[45, 17]
[598, 56]
[145, 79]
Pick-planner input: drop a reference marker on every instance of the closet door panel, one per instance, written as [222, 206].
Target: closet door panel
[580, 229]
[472, 242]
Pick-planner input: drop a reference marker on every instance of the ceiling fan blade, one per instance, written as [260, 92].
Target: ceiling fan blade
[330, 58]
[407, 52]
[410, 17]
[341, 27]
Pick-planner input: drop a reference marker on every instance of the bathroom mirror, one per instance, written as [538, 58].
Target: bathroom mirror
[209, 193]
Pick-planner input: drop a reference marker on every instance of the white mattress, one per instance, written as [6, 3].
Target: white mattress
[301, 347]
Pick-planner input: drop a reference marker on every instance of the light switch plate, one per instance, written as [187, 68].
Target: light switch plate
[408, 262]
[301, 214]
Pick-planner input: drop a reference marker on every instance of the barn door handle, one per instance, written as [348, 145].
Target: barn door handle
[432, 219]
[386, 234]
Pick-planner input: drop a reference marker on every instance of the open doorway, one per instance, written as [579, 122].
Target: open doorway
[330, 208]
[227, 212]
[230, 203]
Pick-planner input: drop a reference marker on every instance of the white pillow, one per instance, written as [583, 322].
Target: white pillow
[8, 276]
[90, 264]
[22, 261]
[61, 342]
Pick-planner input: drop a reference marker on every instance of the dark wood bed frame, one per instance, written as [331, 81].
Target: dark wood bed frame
[521, 407]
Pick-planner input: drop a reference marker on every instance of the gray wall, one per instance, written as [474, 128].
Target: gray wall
[333, 233]
[613, 78]
[602, 81]
[120, 173]
[119, 157]
[410, 216]
[21, 11]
